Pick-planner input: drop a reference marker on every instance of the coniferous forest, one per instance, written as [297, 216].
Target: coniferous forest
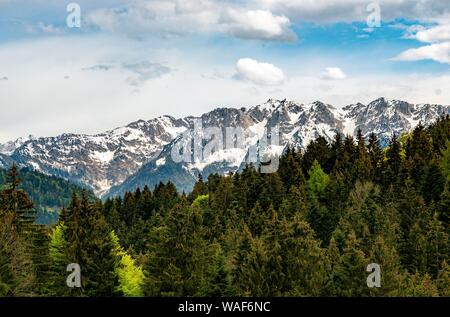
[310, 229]
[48, 193]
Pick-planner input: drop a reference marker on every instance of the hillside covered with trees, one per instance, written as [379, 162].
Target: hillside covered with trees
[48, 193]
[309, 229]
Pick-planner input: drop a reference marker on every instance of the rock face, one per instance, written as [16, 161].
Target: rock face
[385, 117]
[298, 125]
[141, 153]
[8, 148]
[103, 160]
[5, 161]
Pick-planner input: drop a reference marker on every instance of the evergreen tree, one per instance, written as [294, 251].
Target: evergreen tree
[318, 150]
[318, 180]
[376, 157]
[363, 163]
[178, 257]
[290, 170]
[200, 188]
[131, 277]
[443, 280]
[58, 262]
[350, 272]
[393, 163]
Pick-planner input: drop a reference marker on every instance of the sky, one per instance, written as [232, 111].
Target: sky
[133, 59]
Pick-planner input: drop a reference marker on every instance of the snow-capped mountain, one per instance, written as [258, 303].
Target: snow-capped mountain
[8, 148]
[298, 124]
[5, 161]
[103, 160]
[385, 117]
[142, 153]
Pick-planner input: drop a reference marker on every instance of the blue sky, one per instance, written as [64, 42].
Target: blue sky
[136, 59]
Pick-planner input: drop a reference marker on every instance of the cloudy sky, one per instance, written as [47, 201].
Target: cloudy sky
[136, 59]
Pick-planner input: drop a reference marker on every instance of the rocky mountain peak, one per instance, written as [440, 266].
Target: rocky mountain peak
[139, 153]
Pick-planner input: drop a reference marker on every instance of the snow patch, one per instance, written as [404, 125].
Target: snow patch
[103, 157]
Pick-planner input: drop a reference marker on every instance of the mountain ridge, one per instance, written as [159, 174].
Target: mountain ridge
[114, 161]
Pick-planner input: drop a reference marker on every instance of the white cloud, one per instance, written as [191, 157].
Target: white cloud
[433, 34]
[333, 73]
[438, 52]
[180, 17]
[259, 73]
[438, 37]
[48, 28]
[257, 24]
[330, 11]
[161, 17]
[42, 103]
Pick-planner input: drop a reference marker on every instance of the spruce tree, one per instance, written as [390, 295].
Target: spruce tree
[351, 271]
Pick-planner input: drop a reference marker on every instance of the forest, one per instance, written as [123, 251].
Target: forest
[310, 229]
[48, 193]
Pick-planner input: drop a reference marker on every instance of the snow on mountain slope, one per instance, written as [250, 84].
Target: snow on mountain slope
[8, 148]
[298, 124]
[141, 153]
[5, 161]
[103, 160]
[383, 117]
[165, 167]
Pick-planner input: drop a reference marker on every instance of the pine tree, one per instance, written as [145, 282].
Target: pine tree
[90, 245]
[376, 157]
[363, 163]
[387, 258]
[178, 256]
[318, 150]
[249, 274]
[131, 277]
[318, 180]
[437, 245]
[273, 191]
[417, 285]
[351, 271]
[16, 274]
[98, 261]
[433, 182]
[335, 261]
[58, 262]
[393, 162]
[419, 150]
[256, 220]
[346, 160]
[295, 203]
[306, 264]
[443, 280]
[336, 150]
[23, 239]
[290, 170]
[445, 162]
[218, 279]
[200, 188]
[335, 200]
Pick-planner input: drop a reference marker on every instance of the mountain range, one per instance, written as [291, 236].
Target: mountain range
[141, 153]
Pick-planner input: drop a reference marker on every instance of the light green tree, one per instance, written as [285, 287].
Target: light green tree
[131, 276]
